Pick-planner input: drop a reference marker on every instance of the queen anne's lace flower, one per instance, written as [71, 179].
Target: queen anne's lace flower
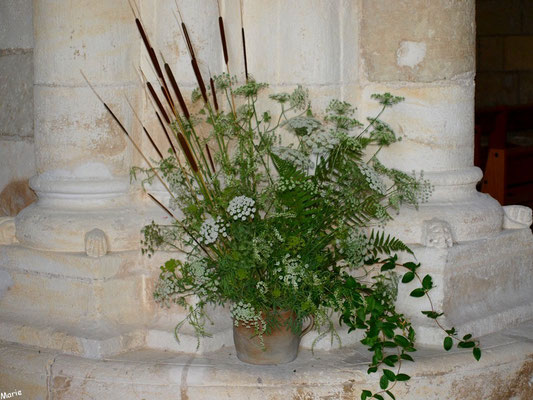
[373, 179]
[321, 141]
[302, 125]
[241, 207]
[209, 231]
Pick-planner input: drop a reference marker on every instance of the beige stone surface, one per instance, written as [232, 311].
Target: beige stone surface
[444, 28]
[16, 29]
[504, 372]
[16, 101]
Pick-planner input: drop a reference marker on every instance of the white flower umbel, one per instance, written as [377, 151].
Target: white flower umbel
[241, 207]
[373, 178]
[245, 314]
[209, 231]
[295, 157]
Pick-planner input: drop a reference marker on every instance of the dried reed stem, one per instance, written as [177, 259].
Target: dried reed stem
[144, 128]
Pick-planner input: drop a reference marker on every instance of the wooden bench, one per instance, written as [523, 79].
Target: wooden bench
[504, 151]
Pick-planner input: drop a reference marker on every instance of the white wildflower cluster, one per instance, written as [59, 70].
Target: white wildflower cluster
[288, 184]
[290, 270]
[166, 289]
[278, 236]
[295, 157]
[302, 125]
[321, 141]
[201, 273]
[261, 287]
[373, 178]
[241, 207]
[245, 314]
[210, 230]
[356, 248]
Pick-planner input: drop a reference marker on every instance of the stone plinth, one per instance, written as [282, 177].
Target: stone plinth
[504, 372]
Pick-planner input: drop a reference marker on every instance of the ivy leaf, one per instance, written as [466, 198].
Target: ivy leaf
[427, 282]
[371, 370]
[448, 343]
[477, 353]
[390, 394]
[388, 266]
[365, 394]
[402, 377]
[466, 345]
[407, 357]
[432, 314]
[401, 341]
[389, 374]
[411, 266]
[408, 277]
[466, 337]
[378, 396]
[418, 292]
[390, 360]
[383, 382]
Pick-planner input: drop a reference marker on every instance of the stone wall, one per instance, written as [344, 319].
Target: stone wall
[504, 52]
[16, 91]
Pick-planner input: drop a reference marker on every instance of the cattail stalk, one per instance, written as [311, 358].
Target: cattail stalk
[156, 99]
[223, 39]
[144, 129]
[177, 92]
[214, 93]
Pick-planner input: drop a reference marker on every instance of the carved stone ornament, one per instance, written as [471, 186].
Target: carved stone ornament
[516, 217]
[95, 243]
[7, 231]
[437, 233]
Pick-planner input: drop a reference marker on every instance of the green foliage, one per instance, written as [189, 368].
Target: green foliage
[269, 226]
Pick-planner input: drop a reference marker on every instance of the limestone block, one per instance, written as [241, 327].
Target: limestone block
[518, 54]
[16, 86]
[482, 286]
[497, 88]
[494, 17]
[517, 217]
[490, 53]
[435, 42]
[17, 160]
[435, 123]
[201, 19]
[26, 370]
[73, 128]
[16, 28]
[98, 37]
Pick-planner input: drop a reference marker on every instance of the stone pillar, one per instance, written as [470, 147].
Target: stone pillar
[82, 157]
[425, 51]
[430, 61]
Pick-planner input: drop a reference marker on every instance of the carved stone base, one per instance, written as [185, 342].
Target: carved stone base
[482, 286]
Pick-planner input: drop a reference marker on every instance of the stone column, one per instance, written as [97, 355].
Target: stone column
[82, 157]
[428, 57]
[425, 51]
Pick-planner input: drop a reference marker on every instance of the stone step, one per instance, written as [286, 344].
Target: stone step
[505, 371]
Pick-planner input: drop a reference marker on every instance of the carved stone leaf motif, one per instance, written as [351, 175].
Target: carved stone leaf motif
[95, 243]
[7, 231]
[437, 233]
[517, 217]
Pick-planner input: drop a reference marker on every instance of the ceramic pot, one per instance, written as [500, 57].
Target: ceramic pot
[280, 346]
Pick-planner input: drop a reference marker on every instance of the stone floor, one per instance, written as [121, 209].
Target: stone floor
[504, 372]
